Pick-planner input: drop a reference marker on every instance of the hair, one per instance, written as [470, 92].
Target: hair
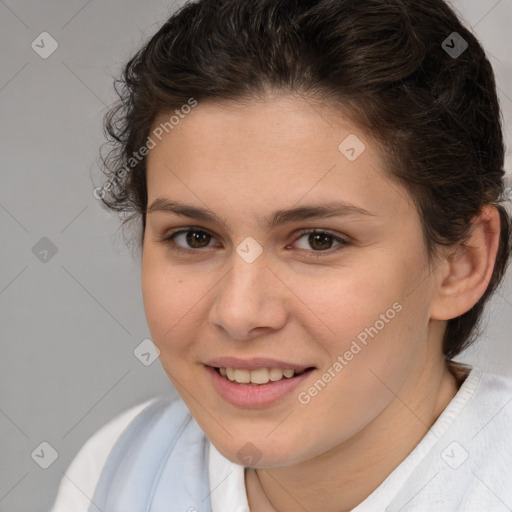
[435, 116]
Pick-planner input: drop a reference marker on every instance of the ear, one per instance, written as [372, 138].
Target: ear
[465, 271]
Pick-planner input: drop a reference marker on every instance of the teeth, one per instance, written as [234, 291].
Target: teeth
[260, 376]
[242, 376]
[276, 374]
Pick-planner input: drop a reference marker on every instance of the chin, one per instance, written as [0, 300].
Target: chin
[260, 453]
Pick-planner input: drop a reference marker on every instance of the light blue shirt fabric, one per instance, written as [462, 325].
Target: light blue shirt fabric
[159, 464]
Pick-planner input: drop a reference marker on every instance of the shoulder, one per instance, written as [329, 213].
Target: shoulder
[481, 451]
[465, 461]
[492, 410]
[79, 481]
[493, 383]
[493, 399]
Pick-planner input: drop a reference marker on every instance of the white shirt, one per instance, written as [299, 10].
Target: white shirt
[466, 455]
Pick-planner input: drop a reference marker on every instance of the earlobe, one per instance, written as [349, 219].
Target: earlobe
[468, 268]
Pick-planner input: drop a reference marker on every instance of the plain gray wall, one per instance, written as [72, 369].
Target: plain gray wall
[69, 325]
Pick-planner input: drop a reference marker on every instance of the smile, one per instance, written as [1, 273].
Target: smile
[260, 384]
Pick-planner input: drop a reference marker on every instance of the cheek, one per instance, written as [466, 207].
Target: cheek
[366, 320]
[171, 302]
[343, 305]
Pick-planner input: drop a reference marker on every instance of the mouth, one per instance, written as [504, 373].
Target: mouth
[259, 376]
[256, 382]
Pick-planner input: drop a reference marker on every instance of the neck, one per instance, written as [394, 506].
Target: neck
[343, 477]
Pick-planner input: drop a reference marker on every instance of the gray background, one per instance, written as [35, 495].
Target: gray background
[70, 324]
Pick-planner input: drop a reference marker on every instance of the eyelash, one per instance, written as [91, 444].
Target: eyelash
[169, 240]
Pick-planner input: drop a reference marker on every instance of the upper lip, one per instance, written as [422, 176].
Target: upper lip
[254, 363]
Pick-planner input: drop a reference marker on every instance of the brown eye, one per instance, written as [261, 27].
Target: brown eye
[320, 241]
[188, 239]
[198, 239]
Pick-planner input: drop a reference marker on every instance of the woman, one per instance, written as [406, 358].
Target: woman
[318, 186]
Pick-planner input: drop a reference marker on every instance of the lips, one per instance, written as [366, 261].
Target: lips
[252, 395]
[255, 382]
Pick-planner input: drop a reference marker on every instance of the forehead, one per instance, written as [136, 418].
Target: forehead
[278, 152]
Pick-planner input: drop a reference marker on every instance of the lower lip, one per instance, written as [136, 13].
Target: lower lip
[254, 395]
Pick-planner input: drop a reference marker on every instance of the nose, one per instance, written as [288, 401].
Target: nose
[250, 301]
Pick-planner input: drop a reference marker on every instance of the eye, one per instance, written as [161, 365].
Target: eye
[191, 239]
[320, 241]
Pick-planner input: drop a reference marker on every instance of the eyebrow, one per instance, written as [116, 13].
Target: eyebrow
[279, 217]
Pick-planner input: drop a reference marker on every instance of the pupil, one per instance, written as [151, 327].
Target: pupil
[319, 239]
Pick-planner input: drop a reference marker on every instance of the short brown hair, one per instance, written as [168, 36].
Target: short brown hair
[434, 114]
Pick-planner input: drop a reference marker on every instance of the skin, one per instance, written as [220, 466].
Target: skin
[243, 161]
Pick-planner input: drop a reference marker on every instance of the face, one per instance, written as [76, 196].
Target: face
[274, 244]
